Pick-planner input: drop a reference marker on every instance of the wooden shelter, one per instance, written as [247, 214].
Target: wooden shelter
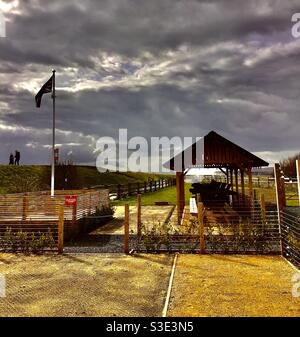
[217, 152]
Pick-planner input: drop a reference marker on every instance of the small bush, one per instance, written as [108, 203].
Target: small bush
[27, 242]
[105, 210]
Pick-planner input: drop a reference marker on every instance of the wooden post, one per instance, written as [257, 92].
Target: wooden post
[250, 186]
[231, 179]
[236, 173]
[278, 187]
[139, 216]
[298, 177]
[201, 227]
[25, 207]
[243, 185]
[74, 214]
[263, 212]
[129, 189]
[119, 195]
[126, 230]
[178, 198]
[138, 188]
[180, 195]
[90, 203]
[150, 186]
[61, 230]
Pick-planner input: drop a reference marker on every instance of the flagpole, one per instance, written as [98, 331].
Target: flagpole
[53, 140]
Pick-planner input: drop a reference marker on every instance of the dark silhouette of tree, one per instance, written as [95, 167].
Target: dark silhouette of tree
[288, 166]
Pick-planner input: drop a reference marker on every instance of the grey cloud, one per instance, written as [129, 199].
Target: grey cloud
[179, 68]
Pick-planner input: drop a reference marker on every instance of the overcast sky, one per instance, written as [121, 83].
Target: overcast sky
[159, 68]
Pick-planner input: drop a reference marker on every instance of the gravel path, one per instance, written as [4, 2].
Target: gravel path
[84, 285]
[233, 285]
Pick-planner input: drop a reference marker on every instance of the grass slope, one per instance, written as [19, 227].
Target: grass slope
[167, 194]
[32, 178]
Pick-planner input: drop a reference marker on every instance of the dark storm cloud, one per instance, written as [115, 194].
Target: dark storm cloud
[158, 68]
[70, 32]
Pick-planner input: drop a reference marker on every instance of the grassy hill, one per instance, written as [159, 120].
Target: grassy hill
[15, 179]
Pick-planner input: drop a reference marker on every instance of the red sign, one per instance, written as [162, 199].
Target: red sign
[70, 200]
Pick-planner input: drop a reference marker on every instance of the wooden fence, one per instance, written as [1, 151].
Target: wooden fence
[33, 221]
[119, 191]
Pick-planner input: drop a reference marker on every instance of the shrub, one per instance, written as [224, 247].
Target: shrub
[27, 242]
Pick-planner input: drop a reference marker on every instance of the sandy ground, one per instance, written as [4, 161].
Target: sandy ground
[84, 285]
[119, 285]
[216, 285]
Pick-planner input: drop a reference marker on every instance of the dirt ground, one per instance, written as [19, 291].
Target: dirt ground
[119, 285]
[84, 285]
[149, 216]
[216, 285]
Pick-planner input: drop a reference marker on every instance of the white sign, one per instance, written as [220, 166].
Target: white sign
[296, 285]
[193, 206]
[2, 286]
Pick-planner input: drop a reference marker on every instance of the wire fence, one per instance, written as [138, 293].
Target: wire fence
[257, 181]
[290, 227]
[223, 229]
[291, 193]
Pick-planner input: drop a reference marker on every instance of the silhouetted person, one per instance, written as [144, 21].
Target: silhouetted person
[11, 159]
[17, 158]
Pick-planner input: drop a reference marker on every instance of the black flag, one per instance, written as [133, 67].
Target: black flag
[46, 88]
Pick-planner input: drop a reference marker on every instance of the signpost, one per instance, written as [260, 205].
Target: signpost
[71, 200]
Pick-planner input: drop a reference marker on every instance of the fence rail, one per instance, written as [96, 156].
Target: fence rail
[257, 181]
[119, 191]
[30, 221]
